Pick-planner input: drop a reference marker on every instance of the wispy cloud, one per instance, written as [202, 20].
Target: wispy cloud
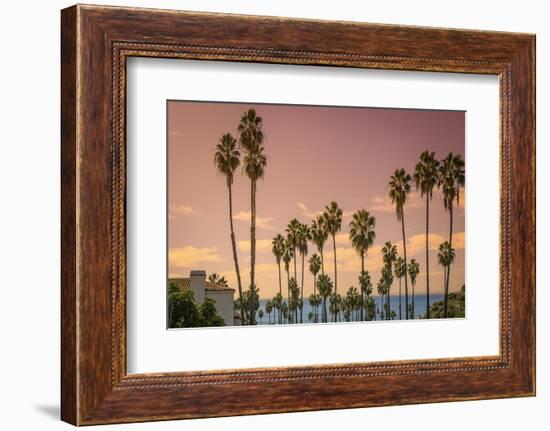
[312, 214]
[189, 256]
[383, 204]
[417, 243]
[181, 210]
[262, 245]
[306, 211]
[261, 222]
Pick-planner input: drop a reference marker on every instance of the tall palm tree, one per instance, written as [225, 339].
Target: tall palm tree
[389, 255]
[362, 235]
[426, 174]
[319, 236]
[446, 257]
[333, 224]
[414, 269]
[324, 286]
[251, 138]
[400, 187]
[451, 180]
[227, 160]
[277, 248]
[288, 254]
[399, 271]
[304, 236]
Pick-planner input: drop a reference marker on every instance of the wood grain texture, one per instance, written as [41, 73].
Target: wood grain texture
[96, 41]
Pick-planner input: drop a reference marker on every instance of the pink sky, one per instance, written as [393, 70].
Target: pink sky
[315, 155]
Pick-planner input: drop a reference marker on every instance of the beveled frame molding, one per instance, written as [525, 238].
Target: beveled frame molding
[96, 41]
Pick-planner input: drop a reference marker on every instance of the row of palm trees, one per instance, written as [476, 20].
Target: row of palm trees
[447, 175]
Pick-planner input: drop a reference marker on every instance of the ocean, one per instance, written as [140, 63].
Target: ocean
[419, 307]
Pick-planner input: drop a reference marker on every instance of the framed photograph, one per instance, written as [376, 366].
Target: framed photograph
[331, 214]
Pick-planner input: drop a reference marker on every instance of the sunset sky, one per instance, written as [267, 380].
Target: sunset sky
[315, 155]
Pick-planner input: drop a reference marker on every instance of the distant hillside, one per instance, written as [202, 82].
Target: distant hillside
[455, 306]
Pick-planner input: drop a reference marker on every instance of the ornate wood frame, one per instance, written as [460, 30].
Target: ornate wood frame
[95, 42]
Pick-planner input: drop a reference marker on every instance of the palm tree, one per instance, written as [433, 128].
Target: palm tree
[261, 314]
[382, 289]
[387, 280]
[362, 235]
[277, 302]
[314, 302]
[216, 279]
[314, 268]
[324, 286]
[227, 160]
[292, 236]
[304, 236]
[268, 310]
[335, 305]
[288, 254]
[294, 302]
[451, 179]
[389, 255]
[319, 236]
[399, 271]
[426, 174]
[277, 248]
[446, 257]
[333, 223]
[366, 290]
[414, 269]
[399, 189]
[250, 140]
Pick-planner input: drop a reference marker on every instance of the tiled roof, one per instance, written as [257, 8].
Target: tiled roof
[185, 283]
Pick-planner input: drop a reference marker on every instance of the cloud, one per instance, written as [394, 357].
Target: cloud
[384, 204]
[306, 211]
[263, 271]
[261, 222]
[262, 245]
[417, 243]
[181, 210]
[190, 256]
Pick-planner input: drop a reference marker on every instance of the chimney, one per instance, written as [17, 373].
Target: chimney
[198, 285]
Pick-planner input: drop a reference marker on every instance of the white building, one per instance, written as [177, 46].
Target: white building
[201, 288]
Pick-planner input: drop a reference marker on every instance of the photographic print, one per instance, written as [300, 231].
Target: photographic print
[296, 214]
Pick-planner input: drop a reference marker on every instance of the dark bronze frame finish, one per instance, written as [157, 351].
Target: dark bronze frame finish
[95, 43]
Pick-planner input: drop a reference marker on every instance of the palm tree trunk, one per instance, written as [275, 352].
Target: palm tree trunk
[234, 246]
[252, 247]
[335, 272]
[399, 298]
[361, 287]
[322, 261]
[404, 257]
[302, 290]
[288, 292]
[280, 288]
[427, 257]
[448, 269]
[412, 309]
[388, 299]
